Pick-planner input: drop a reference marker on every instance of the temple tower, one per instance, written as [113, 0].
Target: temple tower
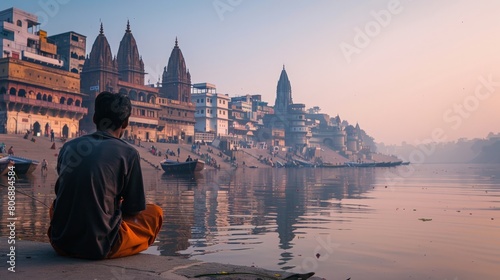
[176, 80]
[99, 73]
[130, 64]
[283, 94]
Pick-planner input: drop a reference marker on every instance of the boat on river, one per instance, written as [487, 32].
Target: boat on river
[332, 165]
[388, 163]
[360, 164]
[173, 166]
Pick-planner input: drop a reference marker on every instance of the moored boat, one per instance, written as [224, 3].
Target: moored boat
[21, 165]
[360, 164]
[172, 166]
[388, 163]
[332, 165]
[304, 163]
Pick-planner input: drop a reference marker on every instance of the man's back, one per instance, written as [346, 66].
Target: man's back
[95, 172]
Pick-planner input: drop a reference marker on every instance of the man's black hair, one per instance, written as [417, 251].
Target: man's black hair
[111, 110]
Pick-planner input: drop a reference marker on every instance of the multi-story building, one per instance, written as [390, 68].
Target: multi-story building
[36, 93]
[327, 131]
[71, 48]
[211, 109]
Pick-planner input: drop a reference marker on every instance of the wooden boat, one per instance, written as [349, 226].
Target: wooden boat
[360, 164]
[304, 163]
[22, 165]
[332, 165]
[172, 166]
[5, 163]
[388, 163]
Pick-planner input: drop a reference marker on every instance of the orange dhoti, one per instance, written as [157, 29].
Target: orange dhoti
[136, 232]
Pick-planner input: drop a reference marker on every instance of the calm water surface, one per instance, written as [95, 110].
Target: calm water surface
[428, 222]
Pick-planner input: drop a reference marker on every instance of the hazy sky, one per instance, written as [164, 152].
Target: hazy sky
[404, 70]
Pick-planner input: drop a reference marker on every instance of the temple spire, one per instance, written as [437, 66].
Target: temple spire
[101, 31]
[176, 43]
[128, 27]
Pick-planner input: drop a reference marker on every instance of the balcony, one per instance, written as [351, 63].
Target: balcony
[9, 26]
[143, 122]
[43, 59]
[145, 105]
[17, 103]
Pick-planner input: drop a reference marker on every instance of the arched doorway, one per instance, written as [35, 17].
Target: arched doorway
[47, 130]
[65, 131]
[36, 128]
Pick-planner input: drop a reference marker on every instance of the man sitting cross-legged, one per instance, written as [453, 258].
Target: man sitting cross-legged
[100, 210]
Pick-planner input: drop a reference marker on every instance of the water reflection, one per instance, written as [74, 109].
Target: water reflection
[217, 211]
[230, 211]
[273, 218]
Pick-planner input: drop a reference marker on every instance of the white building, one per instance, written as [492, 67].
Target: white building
[211, 109]
[21, 38]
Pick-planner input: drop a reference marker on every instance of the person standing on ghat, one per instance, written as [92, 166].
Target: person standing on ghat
[100, 210]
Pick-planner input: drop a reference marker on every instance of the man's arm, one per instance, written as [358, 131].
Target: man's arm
[134, 200]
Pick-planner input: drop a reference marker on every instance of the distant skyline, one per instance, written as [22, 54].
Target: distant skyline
[404, 70]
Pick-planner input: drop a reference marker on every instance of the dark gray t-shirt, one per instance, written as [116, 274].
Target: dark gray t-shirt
[95, 172]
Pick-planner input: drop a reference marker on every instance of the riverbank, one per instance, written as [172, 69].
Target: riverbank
[37, 260]
[41, 149]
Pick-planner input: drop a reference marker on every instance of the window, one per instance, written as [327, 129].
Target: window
[19, 23]
[74, 38]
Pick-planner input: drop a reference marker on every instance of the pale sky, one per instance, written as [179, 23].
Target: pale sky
[404, 70]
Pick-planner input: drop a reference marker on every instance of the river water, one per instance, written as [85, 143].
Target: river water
[409, 222]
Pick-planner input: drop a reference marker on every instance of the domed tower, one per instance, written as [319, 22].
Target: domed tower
[283, 94]
[130, 64]
[354, 142]
[176, 80]
[99, 73]
[339, 135]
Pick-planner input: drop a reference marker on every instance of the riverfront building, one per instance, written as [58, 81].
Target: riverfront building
[71, 48]
[37, 93]
[158, 113]
[212, 112]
